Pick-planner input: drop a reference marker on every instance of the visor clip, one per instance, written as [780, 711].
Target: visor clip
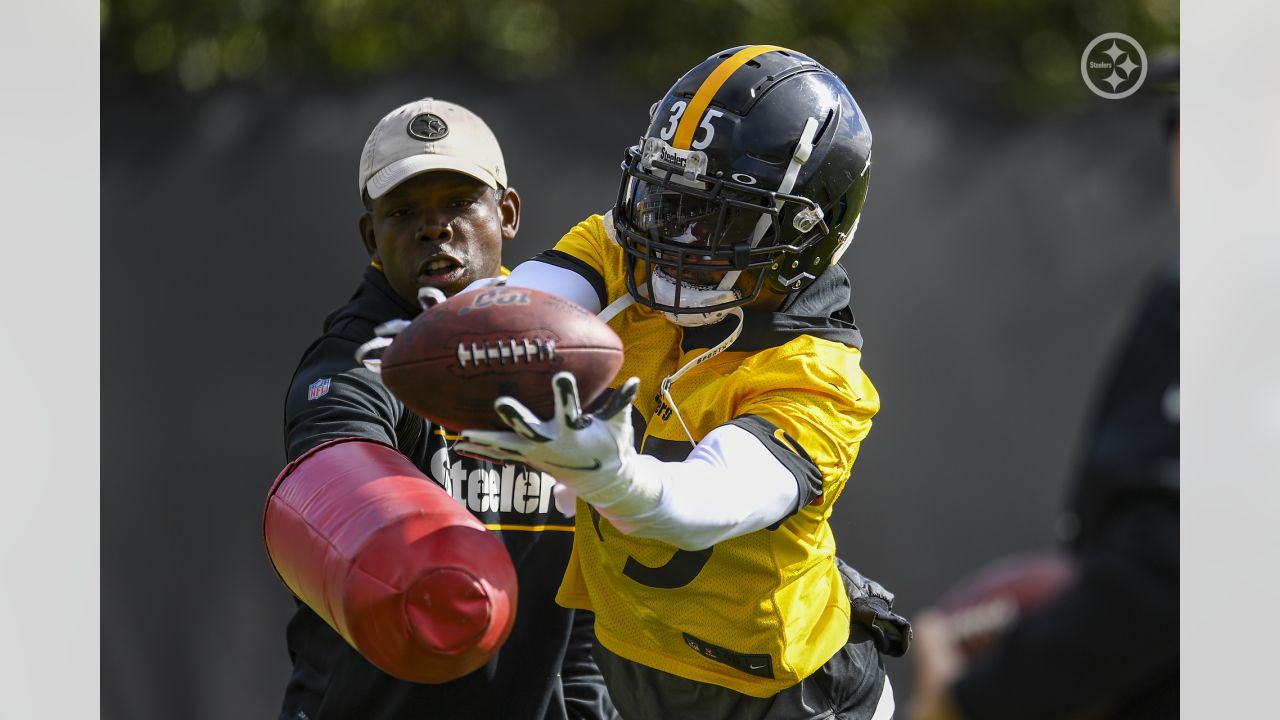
[741, 256]
[806, 219]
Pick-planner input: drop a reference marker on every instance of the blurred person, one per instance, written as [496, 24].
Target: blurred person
[438, 210]
[703, 544]
[1107, 645]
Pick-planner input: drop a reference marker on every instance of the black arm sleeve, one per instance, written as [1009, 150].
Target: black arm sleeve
[1110, 638]
[585, 695]
[792, 456]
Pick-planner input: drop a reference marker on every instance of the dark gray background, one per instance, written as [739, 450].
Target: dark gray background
[997, 262]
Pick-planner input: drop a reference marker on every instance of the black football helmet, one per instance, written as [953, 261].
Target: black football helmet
[752, 173]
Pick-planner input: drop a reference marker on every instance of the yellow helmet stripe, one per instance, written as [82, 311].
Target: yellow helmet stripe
[702, 99]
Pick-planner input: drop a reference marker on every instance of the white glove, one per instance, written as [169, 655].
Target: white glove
[592, 455]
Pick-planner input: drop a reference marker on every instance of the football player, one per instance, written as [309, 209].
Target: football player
[706, 477]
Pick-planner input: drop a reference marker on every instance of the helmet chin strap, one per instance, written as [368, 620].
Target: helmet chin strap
[663, 290]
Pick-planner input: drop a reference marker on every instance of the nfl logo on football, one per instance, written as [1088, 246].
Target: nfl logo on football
[318, 389]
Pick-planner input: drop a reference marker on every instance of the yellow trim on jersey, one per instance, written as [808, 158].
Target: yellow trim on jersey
[702, 98]
[530, 528]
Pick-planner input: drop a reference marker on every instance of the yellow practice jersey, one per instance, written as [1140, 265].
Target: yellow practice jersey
[759, 612]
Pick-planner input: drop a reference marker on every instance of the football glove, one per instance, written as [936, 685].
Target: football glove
[592, 454]
[871, 615]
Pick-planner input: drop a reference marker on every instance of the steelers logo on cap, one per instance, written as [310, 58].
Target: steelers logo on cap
[428, 126]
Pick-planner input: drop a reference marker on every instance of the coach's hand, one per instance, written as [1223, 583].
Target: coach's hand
[593, 454]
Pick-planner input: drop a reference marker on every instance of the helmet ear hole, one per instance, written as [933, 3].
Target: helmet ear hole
[817, 137]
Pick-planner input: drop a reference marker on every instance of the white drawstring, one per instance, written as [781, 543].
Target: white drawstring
[616, 307]
[670, 380]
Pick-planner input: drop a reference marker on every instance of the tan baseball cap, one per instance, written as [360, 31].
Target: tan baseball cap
[429, 134]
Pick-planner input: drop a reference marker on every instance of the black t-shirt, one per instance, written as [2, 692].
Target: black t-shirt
[544, 670]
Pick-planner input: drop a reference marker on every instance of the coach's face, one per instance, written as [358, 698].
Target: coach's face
[442, 229]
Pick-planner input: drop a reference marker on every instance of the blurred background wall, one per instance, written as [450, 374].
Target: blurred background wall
[1012, 219]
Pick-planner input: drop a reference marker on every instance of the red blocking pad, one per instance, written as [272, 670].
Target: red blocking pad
[394, 564]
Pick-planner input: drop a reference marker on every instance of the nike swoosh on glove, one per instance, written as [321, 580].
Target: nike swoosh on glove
[591, 454]
[871, 614]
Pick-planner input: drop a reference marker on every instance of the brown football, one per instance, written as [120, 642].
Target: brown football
[456, 358]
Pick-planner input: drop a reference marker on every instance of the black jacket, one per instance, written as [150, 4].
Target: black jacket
[545, 669]
[1108, 646]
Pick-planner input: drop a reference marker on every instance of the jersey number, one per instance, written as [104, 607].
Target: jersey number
[677, 572]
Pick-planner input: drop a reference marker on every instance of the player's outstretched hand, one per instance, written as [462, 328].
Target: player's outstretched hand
[591, 453]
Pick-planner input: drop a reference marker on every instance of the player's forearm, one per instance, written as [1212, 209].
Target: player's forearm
[729, 485]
